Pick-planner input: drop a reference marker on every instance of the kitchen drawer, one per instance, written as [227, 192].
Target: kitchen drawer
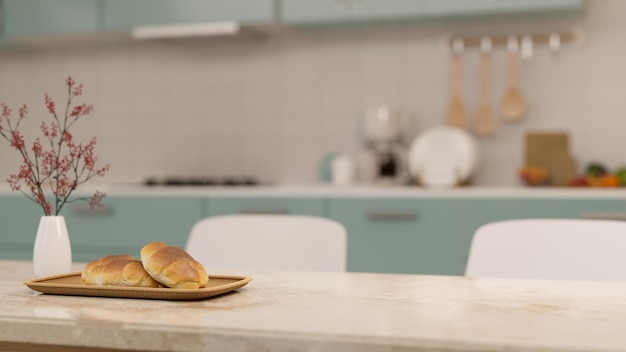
[266, 205]
[415, 236]
[478, 212]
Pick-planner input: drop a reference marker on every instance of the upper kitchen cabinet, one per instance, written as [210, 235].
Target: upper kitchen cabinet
[27, 18]
[303, 12]
[457, 8]
[125, 14]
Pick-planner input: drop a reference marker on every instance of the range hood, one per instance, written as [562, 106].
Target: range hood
[192, 30]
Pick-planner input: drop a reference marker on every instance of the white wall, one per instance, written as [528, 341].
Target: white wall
[273, 108]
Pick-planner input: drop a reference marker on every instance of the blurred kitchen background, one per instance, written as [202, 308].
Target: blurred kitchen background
[274, 107]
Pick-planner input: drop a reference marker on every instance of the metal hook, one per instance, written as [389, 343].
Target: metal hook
[527, 47]
[554, 42]
[486, 45]
[458, 46]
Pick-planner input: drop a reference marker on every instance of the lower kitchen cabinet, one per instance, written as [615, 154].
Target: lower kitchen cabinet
[19, 219]
[401, 235]
[129, 222]
[478, 212]
[123, 226]
[266, 205]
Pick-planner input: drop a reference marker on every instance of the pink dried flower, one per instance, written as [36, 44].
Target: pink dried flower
[23, 111]
[17, 140]
[50, 104]
[59, 163]
[6, 110]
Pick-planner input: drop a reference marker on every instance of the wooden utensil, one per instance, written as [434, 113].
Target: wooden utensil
[484, 121]
[513, 107]
[457, 113]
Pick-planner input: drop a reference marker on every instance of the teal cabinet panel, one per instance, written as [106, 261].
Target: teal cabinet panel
[455, 8]
[129, 222]
[266, 205]
[542, 5]
[306, 11]
[19, 219]
[43, 17]
[478, 212]
[125, 14]
[303, 11]
[414, 236]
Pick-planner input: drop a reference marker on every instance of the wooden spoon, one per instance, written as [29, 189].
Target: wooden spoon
[484, 122]
[457, 113]
[513, 107]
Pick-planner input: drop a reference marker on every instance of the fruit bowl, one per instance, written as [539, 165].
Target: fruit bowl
[534, 175]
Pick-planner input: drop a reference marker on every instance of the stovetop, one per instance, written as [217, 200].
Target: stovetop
[227, 181]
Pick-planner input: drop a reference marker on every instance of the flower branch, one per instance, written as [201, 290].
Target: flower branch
[63, 164]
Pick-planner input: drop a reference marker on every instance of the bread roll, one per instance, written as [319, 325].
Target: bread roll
[121, 272]
[101, 261]
[173, 266]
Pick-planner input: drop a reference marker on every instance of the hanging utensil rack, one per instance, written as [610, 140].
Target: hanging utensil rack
[553, 40]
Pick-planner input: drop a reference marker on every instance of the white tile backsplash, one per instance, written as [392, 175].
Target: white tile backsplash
[273, 108]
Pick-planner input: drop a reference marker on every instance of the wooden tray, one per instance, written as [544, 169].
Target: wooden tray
[71, 284]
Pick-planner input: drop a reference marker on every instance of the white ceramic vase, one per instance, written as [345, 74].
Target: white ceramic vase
[52, 253]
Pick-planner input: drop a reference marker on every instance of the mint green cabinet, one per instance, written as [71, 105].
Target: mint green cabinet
[456, 8]
[129, 222]
[44, 17]
[266, 205]
[478, 212]
[542, 5]
[305, 12]
[125, 14]
[327, 11]
[123, 226]
[19, 218]
[401, 235]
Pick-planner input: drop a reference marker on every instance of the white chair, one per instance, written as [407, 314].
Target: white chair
[568, 249]
[269, 242]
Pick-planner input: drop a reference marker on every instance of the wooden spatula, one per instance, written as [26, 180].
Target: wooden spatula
[484, 121]
[513, 107]
[457, 113]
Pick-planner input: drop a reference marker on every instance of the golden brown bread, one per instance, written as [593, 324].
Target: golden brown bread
[102, 261]
[120, 272]
[173, 266]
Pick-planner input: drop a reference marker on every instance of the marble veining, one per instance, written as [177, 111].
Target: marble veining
[296, 311]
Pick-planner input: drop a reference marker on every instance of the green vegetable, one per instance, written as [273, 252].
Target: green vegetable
[596, 170]
[621, 175]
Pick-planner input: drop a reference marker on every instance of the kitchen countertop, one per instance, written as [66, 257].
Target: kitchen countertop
[283, 311]
[324, 190]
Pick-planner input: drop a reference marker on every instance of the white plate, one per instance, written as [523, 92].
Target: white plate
[442, 156]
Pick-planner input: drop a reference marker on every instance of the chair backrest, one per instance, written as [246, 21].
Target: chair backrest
[269, 242]
[568, 249]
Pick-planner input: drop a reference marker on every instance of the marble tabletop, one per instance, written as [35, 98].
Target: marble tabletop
[310, 311]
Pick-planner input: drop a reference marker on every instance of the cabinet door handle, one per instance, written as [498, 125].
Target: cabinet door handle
[83, 210]
[391, 215]
[603, 216]
[263, 211]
